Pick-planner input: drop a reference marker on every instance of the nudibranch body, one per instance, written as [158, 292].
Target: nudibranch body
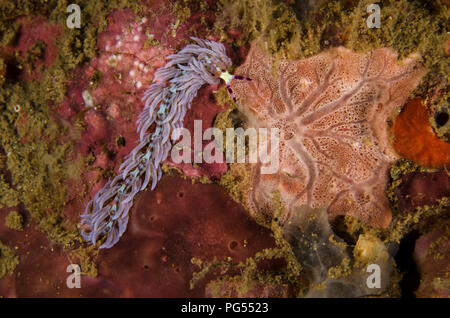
[166, 103]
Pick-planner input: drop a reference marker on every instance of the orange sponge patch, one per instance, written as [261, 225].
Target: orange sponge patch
[414, 138]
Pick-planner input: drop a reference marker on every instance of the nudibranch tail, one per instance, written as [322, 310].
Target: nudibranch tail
[166, 103]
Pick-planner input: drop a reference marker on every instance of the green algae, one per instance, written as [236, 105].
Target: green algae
[35, 53]
[248, 271]
[237, 181]
[403, 223]
[406, 26]
[33, 148]
[223, 99]
[86, 258]
[342, 270]
[249, 276]
[275, 21]
[14, 220]
[35, 158]
[341, 23]
[400, 168]
[8, 260]
[171, 170]
[184, 10]
[8, 196]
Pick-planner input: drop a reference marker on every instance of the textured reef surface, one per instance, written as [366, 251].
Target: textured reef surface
[363, 153]
[332, 111]
[154, 257]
